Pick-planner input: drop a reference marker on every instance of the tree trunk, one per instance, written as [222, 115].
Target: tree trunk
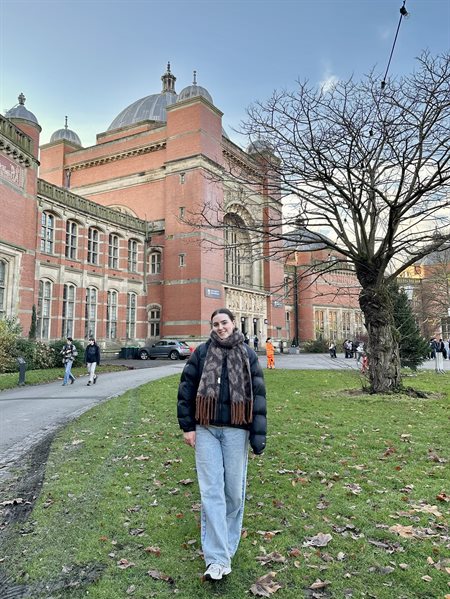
[382, 348]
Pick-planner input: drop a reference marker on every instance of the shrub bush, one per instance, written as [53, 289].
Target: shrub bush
[8, 338]
[316, 346]
[56, 347]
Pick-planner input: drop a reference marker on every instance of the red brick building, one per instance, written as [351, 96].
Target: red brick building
[97, 238]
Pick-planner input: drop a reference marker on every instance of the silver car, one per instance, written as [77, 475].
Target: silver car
[173, 349]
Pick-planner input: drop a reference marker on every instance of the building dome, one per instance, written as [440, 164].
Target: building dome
[260, 146]
[66, 134]
[194, 91]
[150, 108]
[20, 112]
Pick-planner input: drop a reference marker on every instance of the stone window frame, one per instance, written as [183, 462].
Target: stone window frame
[3, 286]
[154, 321]
[130, 321]
[47, 236]
[113, 250]
[112, 303]
[44, 308]
[133, 247]
[93, 249]
[68, 310]
[155, 262]
[90, 312]
[71, 242]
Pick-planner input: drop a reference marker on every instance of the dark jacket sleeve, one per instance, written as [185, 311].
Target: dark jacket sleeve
[98, 356]
[187, 392]
[258, 428]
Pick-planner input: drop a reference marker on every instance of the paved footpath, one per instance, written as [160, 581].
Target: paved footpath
[30, 414]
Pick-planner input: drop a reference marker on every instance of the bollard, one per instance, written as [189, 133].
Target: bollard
[22, 367]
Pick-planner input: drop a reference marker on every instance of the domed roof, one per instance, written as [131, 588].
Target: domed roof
[259, 146]
[150, 108]
[20, 112]
[66, 134]
[194, 91]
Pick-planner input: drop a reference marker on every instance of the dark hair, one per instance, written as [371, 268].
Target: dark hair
[69, 338]
[268, 339]
[223, 311]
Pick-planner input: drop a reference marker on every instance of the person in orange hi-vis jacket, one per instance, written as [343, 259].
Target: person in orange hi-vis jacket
[270, 353]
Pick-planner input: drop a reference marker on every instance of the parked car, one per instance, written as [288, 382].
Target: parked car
[173, 349]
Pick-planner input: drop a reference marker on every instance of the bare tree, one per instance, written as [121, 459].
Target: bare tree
[368, 166]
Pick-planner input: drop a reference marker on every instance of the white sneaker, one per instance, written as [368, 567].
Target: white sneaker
[216, 572]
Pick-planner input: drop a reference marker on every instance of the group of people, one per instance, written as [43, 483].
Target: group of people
[439, 351]
[91, 358]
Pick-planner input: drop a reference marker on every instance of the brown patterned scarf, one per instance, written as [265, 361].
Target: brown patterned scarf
[239, 380]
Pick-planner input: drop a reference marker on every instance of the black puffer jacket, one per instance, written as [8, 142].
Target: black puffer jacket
[187, 392]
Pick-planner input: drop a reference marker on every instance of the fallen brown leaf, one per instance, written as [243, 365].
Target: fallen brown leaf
[319, 540]
[124, 564]
[271, 557]
[154, 550]
[266, 585]
[156, 575]
[319, 584]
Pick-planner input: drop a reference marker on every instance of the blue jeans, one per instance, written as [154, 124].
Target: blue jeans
[221, 455]
[67, 372]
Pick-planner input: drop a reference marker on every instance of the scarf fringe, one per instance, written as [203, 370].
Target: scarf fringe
[205, 411]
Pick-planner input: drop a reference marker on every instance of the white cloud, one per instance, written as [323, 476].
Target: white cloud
[328, 83]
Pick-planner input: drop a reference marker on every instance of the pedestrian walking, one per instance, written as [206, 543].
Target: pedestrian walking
[332, 350]
[255, 343]
[439, 348]
[270, 353]
[221, 409]
[69, 352]
[92, 360]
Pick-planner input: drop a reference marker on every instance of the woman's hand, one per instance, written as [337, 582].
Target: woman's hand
[189, 438]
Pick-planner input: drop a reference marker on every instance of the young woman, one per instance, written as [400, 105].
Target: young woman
[221, 409]
[92, 360]
[69, 353]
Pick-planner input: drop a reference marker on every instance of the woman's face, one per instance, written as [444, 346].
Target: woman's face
[223, 325]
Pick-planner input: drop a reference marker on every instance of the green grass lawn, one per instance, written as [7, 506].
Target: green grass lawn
[36, 377]
[342, 504]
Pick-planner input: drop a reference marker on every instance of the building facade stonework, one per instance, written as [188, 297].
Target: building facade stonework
[100, 240]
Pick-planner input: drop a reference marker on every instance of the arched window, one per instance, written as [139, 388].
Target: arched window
[113, 251]
[132, 255]
[90, 313]
[68, 310]
[238, 262]
[44, 309]
[131, 316]
[111, 315]
[155, 263]
[2, 288]
[47, 232]
[154, 319]
[93, 245]
[71, 241]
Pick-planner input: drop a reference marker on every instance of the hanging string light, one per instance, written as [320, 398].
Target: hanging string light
[403, 13]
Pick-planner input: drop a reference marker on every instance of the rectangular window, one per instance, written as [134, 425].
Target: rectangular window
[44, 309]
[68, 311]
[93, 236]
[90, 314]
[155, 316]
[131, 316]
[113, 251]
[155, 263]
[2, 288]
[182, 259]
[132, 255]
[319, 323]
[111, 315]
[47, 232]
[71, 241]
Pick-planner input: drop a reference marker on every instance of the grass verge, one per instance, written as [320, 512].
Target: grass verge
[37, 377]
[342, 504]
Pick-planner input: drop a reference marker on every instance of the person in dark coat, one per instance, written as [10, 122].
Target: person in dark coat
[92, 360]
[221, 410]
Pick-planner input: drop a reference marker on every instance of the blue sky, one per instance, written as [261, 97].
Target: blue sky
[89, 59]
